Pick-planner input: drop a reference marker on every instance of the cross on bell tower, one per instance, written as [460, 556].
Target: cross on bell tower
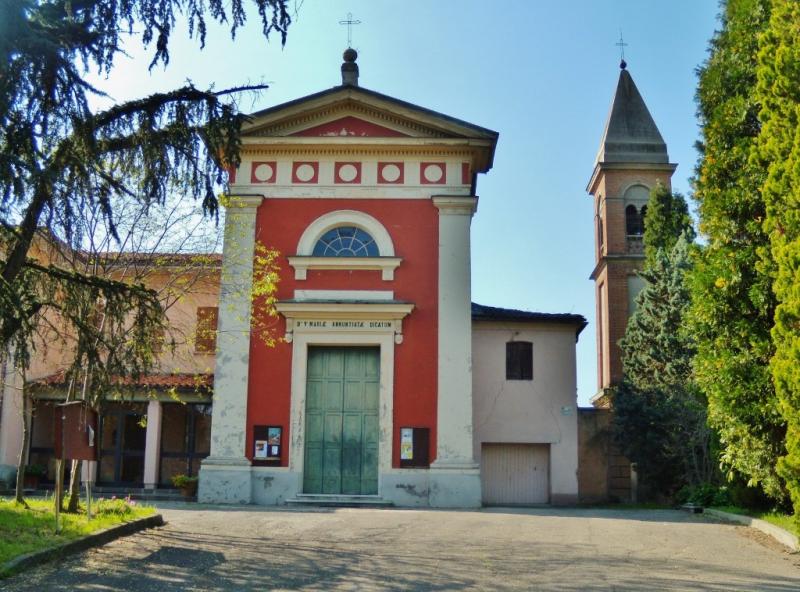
[622, 45]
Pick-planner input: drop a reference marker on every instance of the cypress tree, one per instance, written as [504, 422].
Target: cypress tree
[660, 418]
[778, 92]
[669, 218]
[732, 300]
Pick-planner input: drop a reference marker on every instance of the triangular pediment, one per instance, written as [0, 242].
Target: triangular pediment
[353, 112]
[350, 127]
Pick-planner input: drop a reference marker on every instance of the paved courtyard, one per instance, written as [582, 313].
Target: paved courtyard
[245, 548]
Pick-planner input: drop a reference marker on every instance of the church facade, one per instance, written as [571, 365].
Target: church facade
[389, 385]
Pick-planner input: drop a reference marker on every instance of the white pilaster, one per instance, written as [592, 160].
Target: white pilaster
[10, 415]
[454, 477]
[152, 444]
[225, 473]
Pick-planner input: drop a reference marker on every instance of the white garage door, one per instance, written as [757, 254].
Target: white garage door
[515, 474]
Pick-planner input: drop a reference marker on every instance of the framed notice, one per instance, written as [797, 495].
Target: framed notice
[267, 445]
[274, 442]
[406, 443]
[414, 446]
[260, 451]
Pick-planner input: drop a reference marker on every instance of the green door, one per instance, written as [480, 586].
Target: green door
[341, 454]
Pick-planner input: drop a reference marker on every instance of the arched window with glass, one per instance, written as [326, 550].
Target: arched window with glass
[346, 241]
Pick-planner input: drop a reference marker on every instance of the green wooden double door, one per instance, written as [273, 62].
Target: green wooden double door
[341, 438]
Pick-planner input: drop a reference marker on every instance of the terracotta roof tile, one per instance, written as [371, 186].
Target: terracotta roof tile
[165, 381]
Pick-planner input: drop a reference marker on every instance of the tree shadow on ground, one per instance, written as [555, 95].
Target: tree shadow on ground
[171, 560]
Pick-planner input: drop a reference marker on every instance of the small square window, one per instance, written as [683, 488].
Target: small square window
[519, 360]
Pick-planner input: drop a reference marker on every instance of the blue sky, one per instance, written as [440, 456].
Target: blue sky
[540, 73]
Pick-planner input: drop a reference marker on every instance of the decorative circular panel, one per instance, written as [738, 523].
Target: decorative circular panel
[348, 173]
[390, 173]
[305, 172]
[263, 172]
[433, 173]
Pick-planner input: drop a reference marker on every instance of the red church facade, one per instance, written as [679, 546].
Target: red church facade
[371, 393]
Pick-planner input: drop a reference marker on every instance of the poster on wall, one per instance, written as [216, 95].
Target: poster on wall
[273, 442]
[261, 450]
[406, 443]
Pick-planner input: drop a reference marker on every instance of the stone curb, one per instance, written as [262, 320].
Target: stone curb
[776, 532]
[96, 539]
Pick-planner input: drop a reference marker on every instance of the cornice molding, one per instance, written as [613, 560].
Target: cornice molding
[242, 202]
[458, 205]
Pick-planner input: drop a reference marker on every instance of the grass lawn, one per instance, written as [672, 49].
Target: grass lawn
[25, 530]
[785, 521]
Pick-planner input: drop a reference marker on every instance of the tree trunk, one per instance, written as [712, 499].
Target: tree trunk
[21, 461]
[74, 486]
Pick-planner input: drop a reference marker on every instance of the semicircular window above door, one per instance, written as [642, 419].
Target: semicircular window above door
[346, 241]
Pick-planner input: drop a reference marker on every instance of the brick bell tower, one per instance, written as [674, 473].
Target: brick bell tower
[631, 160]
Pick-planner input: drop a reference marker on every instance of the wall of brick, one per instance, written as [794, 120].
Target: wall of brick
[604, 474]
[614, 263]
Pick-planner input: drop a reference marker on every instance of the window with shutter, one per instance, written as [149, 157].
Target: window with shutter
[206, 330]
[519, 360]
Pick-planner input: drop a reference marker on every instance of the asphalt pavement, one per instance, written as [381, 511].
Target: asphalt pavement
[248, 548]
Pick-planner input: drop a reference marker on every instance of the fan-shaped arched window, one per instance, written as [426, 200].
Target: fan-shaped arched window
[642, 216]
[346, 241]
[633, 223]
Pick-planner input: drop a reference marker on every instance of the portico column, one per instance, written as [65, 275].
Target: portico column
[225, 473]
[10, 414]
[152, 444]
[454, 476]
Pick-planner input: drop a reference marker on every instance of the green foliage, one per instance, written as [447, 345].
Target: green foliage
[35, 470]
[264, 294]
[659, 414]
[24, 530]
[59, 157]
[732, 300]
[778, 91]
[704, 494]
[657, 352]
[667, 218]
[124, 508]
[181, 481]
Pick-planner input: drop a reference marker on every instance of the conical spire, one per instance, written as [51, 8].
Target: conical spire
[631, 134]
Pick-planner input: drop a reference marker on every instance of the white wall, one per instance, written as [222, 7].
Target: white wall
[538, 411]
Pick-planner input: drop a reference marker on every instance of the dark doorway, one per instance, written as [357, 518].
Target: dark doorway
[122, 443]
[185, 439]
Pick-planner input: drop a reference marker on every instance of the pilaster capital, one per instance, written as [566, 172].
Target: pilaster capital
[241, 202]
[456, 205]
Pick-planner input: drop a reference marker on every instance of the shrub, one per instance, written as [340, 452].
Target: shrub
[117, 506]
[185, 483]
[35, 470]
[704, 494]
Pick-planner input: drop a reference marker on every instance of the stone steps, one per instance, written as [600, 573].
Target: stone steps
[339, 501]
